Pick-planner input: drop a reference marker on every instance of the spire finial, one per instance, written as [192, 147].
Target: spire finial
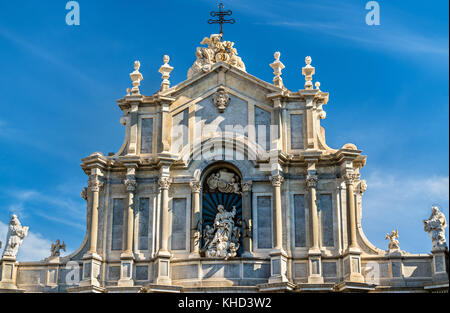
[165, 71]
[277, 66]
[308, 71]
[136, 78]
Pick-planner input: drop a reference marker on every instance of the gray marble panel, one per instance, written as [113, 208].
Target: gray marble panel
[300, 270]
[396, 269]
[141, 272]
[232, 271]
[297, 131]
[180, 131]
[144, 211]
[147, 135]
[417, 269]
[113, 272]
[264, 219]
[326, 213]
[329, 269]
[299, 221]
[252, 270]
[31, 277]
[117, 224]
[262, 118]
[236, 113]
[179, 224]
[185, 271]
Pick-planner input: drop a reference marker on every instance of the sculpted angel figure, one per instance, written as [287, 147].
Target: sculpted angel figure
[393, 242]
[16, 234]
[56, 247]
[435, 227]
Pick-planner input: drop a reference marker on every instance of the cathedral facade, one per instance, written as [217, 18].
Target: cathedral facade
[225, 183]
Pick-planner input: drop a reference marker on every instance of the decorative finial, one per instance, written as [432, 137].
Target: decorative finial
[308, 71]
[277, 66]
[136, 78]
[221, 18]
[317, 84]
[165, 71]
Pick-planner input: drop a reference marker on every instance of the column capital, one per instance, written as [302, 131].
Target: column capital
[164, 183]
[351, 178]
[362, 187]
[131, 183]
[196, 186]
[94, 183]
[276, 180]
[311, 180]
[246, 186]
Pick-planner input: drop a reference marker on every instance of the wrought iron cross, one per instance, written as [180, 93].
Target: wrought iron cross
[221, 18]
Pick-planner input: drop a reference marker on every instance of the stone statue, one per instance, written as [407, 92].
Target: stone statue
[222, 240]
[216, 51]
[393, 240]
[435, 227]
[56, 247]
[16, 234]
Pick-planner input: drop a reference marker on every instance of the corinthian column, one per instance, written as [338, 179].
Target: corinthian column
[130, 182]
[195, 226]
[350, 179]
[247, 218]
[311, 183]
[94, 186]
[277, 180]
[164, 184]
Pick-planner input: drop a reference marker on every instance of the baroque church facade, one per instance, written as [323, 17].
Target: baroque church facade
[225, 183]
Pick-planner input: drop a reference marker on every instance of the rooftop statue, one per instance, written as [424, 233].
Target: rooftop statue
[393, 240]
[435, 227]
[217, 51]
[16, 234]
[56, 247]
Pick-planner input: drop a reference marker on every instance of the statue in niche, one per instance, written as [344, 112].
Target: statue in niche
[57, 247]
[393, 240]
[223, 181]
[16, 234]
[435, 227]
[222, 240]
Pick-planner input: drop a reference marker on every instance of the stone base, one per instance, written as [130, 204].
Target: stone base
[349, 286]
[314, 280]
[9, 287]
[276, 287]
[322, 287]
[437, 288]
[125, 283]
[86, 289]
[151, 288]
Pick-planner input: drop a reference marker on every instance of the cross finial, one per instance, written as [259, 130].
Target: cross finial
[221, 18]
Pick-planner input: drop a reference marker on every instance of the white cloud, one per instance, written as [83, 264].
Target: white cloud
[34, 247]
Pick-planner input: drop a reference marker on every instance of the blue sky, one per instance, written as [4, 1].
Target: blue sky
[388, 89]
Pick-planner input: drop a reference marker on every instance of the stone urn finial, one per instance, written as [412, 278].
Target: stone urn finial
[136, 78]
[308, 71]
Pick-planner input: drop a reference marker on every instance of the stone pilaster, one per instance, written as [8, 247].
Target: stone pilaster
[247, 242]
[196, 187]
[278, 257]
